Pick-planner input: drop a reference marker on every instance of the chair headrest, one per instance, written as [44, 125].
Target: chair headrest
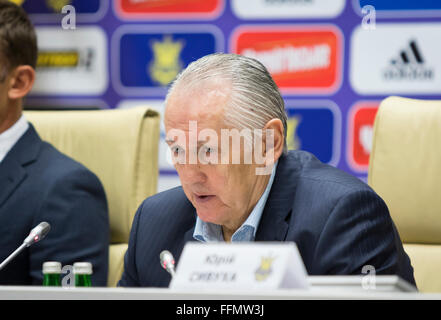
[405, 166]
[119, 146]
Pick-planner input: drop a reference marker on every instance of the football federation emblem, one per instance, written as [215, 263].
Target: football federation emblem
[166, 63]
[57, 5]
[264, 269]
[292, 139]
[17, 2]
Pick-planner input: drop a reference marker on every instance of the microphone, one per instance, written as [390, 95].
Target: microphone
[167, 262]
[36, 234]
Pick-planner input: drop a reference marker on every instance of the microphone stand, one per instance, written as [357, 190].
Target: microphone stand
[36, 234]
[12, 255]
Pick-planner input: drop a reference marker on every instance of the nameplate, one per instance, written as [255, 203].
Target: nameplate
[251, 265]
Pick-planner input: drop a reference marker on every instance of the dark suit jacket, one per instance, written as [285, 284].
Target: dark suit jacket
[38, 183]
[338, 223]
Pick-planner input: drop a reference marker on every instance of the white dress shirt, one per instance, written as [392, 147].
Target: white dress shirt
[10, 137]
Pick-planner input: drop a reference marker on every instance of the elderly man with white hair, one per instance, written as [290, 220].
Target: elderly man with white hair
[226, 127]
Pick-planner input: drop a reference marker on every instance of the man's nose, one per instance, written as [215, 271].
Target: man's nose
[191, 173]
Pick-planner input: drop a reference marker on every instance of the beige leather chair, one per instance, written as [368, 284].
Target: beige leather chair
[405, 170]
[121, 148]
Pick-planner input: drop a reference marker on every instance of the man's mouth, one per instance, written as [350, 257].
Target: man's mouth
[203, 198]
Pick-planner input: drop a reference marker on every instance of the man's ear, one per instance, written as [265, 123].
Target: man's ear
[21, 82]
[278, 141]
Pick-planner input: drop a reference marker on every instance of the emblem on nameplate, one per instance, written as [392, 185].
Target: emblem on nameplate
[265, 268]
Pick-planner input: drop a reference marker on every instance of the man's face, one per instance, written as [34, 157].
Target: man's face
[222, 194]
[15, 84]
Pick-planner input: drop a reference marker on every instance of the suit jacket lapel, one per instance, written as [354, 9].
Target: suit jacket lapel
[188, 236]
[274, 223]
[11, 175]
[12, 168]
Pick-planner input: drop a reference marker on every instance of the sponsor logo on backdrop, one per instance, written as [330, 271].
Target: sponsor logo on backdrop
[71, 62]
[360, 132]
[314, 126]
[81, 58]
[402, 8]
[409, 65]
[175, 9]
[302, 60]
[148, 59]
[51, 10]
[408, 62]
[287, 9]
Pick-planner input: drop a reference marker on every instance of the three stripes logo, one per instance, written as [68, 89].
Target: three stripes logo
[409, 65]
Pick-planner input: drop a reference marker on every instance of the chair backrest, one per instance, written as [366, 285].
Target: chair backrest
[405, 170]
[121, 148]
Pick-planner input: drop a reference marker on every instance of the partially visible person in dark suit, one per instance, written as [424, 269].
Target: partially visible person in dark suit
[339, 223]
[37, 182]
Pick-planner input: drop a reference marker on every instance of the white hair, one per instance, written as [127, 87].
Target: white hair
[254, 98]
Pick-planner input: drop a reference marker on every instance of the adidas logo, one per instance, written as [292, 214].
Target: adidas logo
[409, 65]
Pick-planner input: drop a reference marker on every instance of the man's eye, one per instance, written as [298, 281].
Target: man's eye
[209, 150]
[177, 150]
